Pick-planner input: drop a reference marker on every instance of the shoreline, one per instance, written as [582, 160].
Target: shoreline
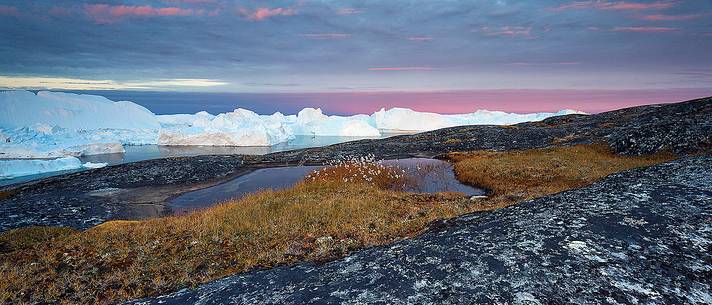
[63, 200]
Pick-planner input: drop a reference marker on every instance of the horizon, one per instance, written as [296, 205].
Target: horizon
[350, 103]
[447, 57]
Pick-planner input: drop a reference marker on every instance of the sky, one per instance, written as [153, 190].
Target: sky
[446, 56]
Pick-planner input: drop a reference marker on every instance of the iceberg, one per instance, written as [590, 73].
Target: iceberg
[238, 128]
[312, 122]
[72, 111]
[60, 126]
[407, 120]
[15, 168]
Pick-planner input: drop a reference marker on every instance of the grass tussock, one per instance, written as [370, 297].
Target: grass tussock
[324, 217]
[520, 175]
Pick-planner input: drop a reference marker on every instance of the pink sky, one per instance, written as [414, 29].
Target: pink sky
[521, 101]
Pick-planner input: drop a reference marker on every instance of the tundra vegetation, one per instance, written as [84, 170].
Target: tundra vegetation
[350, 205]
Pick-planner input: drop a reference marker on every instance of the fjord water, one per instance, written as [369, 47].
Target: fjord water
[428, 176]
[148, 152]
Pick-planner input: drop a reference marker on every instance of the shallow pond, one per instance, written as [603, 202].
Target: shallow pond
[428, 176]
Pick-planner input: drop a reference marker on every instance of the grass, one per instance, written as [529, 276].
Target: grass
[520, 175]
[6, 194]
[21, 238]
[319, 219]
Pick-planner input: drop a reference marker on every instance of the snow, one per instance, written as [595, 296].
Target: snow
[14, 168]
[58, 125]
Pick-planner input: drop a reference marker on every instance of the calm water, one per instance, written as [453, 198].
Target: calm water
[430, 176]
[147, 152]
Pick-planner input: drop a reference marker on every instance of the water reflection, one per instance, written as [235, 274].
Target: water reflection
[425, 176]
[148, 152]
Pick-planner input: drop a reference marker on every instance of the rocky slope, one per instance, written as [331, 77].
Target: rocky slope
[82, 200]
[637, 237]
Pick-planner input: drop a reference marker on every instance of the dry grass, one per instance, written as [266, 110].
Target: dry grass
[520, 175]
[452, 141]
[315, 220]
[122, 260]
[6, 194]
[21, 238]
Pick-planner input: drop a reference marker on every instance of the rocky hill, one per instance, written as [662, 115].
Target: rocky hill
[637, 237]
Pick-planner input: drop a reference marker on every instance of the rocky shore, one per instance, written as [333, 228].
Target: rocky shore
[85, 199]
[636, 237]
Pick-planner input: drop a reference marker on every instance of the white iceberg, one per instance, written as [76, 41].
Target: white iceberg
[238, 128]
[95, 165]
[14, 168]
[72, 111]
[56, 125]
[312, 122]
[407, 120]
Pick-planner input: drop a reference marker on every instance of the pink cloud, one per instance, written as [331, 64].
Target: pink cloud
[644, 29]
[663, 17]
[104, 13]
[509, 31]
[9, 11]
[419, 38]
[326, 36]
[617, 5]
[401, 69]
[263, 13]
[349, 11]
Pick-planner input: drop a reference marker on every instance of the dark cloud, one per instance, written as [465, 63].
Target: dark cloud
[321, 45]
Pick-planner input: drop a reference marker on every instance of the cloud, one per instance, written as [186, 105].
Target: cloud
[644, 29]
[59, 11]
[192, 1]
[349, 11]
[18, 82]
[401, 69]
[561, 63]
[663, 17]
[263, 13]
[326, 36]
[508, 31]
[9, 10]
[104, 13]
[419, 38]
[617, 5]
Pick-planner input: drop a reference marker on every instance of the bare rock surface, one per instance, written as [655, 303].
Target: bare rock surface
[71, 200]
[639, 237]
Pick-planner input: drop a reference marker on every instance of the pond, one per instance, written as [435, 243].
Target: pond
[428, 175]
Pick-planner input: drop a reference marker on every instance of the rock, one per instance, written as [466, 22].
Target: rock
[637, 237]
